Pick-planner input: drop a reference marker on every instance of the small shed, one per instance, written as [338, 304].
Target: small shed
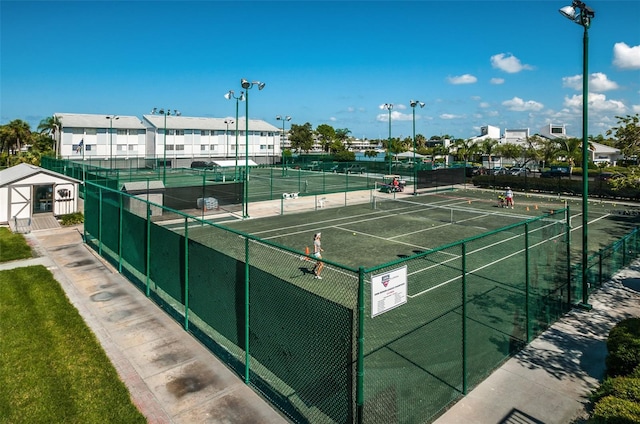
[27, 190]
[151, 191]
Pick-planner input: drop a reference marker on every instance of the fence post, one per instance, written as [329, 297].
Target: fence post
[247, 359]
[526, 281]
[360, 353]
[568, 238]
[186, 271]
[100, 224]
[464, 318]
[600, 267]
[121, 219]
[148, 251]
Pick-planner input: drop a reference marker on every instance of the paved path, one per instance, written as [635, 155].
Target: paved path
[172, 378]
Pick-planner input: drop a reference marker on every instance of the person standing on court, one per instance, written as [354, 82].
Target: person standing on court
[508, 196]
[317, 253]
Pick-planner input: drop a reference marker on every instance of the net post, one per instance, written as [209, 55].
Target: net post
[186, 272]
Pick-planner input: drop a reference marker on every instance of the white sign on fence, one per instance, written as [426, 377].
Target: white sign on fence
[388, 290]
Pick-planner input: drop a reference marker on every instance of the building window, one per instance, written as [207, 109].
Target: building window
[556, 130]
[132, 147]
[179, 132]
[91, 131]
[169, 147]
[204, 147]
[122, 132]
[179, 146]
[212, 147]
[205, 132]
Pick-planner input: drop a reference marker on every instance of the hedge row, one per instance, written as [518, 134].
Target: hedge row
[617, 400]
[600, 189]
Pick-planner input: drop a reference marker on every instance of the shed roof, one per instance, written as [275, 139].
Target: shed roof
[25, 170]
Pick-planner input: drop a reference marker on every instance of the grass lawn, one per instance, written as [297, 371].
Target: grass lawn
[13, 246]
[52, 368]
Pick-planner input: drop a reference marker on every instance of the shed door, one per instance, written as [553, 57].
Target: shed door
[19, 202]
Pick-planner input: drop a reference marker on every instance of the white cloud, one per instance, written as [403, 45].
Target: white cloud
[497, 81]
[401, 106]
[483, 104]
[518, 105]
[450, 116]
[635, 108]
[625, 57]
[508, 63]
[597, 103]
[350, 109]
[333, 119]
[598, 82]
[395, 116]
[462, 79]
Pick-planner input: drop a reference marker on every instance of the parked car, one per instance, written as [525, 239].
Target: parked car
[608, 176]
[353, 169]
[556, 172]
[499, 171]
[198, 164]
[520, 172]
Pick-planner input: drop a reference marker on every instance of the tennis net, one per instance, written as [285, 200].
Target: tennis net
[451, 211]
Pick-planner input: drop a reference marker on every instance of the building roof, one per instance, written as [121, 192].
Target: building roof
[198, 123]
[79, 120]
[24, 170]
[604, 149]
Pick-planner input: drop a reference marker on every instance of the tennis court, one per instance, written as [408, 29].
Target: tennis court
[469, 305]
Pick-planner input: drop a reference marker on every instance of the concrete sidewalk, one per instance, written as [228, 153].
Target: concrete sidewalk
[551, 379]
[171, 377]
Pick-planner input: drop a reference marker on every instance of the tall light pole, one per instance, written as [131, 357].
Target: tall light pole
[111, 118]
[231, 95]
[165, 112]
[583, 17]
[283, 119]
[226, 133]
[389, 106]
[247, 86]
[413, 104]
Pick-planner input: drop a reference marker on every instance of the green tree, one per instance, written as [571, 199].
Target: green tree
[627, 135]
[571, 149]
[301, 137]
[342, 135]
[326, 136]
[547, 149]
[13, 135]
[510, 151]
[488, 147]
[465, 149]
[51, 126]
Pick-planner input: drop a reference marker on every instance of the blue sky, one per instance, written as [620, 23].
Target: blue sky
[510, 64]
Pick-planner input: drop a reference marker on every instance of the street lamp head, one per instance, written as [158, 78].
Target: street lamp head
[288, 118]
[247, 85]
[177, 112]
[568, 12]
[388, 106]
[229, 95]
[415, 103]
[278, 117]
[582, 16]
[153, 112]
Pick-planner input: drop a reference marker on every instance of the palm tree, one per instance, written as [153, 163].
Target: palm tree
[465, 149]
[488, 147]
[14, 134]
[52, 126]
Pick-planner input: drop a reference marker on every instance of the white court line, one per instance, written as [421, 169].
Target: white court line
[482, 267]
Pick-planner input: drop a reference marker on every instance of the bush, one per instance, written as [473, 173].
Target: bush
[72, 219]
[626, 388]
[624, 348]
[611, 410]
